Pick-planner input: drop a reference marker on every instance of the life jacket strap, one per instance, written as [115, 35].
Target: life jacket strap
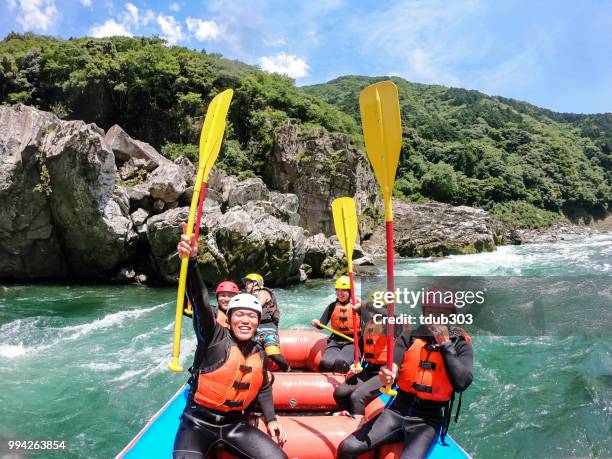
[246, 368]
[427, 365]
[369, 341]
[369, 355]
[232, 403]
[422, 387]
[241, 385]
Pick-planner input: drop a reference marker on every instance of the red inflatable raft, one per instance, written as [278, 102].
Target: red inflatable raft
[305, 406]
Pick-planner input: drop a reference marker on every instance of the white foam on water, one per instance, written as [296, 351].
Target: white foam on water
[10, 351]
[129, 374]
[95, 366]
[110, 320]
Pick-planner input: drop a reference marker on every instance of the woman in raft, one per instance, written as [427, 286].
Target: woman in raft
[339, 353]
[360, 388]
[432, 363]
[229, 379]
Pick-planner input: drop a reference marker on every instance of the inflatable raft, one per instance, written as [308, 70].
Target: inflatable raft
[304, 404]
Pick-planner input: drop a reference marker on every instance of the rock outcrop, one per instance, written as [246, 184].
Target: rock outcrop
[61, 213]
[324, 257]
[318, 167]
[436, 229]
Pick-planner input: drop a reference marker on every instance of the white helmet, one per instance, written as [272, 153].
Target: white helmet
[244, 301]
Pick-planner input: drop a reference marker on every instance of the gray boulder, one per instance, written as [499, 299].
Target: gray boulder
[437, 229]
[252, 189]
[325, 257]
[126, 149]
[80, 216]
[167, 182]
[318, 167]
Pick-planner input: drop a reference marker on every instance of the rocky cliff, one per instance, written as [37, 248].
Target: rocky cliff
[79, 203]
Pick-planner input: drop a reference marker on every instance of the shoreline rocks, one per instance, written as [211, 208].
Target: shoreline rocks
[79, 204]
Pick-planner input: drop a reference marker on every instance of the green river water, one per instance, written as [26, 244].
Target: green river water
[89, 364]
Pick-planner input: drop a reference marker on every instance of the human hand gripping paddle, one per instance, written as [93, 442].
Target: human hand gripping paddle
[210, 144]
[345, 223]
[382, 132]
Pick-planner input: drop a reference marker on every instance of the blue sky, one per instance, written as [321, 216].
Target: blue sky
[554, 54]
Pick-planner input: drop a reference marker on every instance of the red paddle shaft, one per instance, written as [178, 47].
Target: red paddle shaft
[198, 219]
[390, 288]
[200, 209]
[355, 320]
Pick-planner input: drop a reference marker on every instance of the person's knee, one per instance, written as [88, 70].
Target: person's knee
[326, 364]
[342, 394]
[350, 447]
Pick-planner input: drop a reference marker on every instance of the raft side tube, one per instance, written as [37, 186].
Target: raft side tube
[303, 348]
[305, 391]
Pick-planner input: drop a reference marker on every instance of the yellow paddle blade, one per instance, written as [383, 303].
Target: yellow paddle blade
[210, 144]
[382, 131]
[345, 222]
[212, 131]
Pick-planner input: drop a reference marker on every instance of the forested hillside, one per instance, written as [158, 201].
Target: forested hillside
[158, 93]
[516, 159]
[528, 165]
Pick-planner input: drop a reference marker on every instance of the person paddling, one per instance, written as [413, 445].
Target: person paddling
[362, 387]
[339, 352]
[267, 332]
[229, 380]
[431, 364]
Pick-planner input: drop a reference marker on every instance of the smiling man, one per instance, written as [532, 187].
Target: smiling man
[228, 379]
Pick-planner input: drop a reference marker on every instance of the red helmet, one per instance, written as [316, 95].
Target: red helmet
[227, 286]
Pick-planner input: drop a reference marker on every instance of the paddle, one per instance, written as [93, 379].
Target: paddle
[210, 144]
[198, 220]
[336, 332]
[345, 222]
[382, 132]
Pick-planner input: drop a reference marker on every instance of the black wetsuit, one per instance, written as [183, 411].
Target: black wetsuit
[340, 352]
[357, 391]
[409, 419]
[202, 428]
[267, 332]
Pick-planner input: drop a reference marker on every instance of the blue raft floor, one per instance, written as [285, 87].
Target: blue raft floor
[156, 439]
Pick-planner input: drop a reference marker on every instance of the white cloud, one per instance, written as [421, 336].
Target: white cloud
[203, 30]
[86, 3]
[174, 7]
[170, 28]
[275, 42]
[286, 64]
[424, 41]
[136, 17]
[39, 15]
[109, 29]
[132, 11]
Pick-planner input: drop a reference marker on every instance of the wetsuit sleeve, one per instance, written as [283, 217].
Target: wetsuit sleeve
[458, 359]
[265, 397]
[204, 317]
[402, 343]
[326, 316]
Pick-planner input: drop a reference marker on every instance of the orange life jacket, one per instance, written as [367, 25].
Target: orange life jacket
[342, 318]
[423, 372]
[222, 319]
[374, 344]
[234, 385]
